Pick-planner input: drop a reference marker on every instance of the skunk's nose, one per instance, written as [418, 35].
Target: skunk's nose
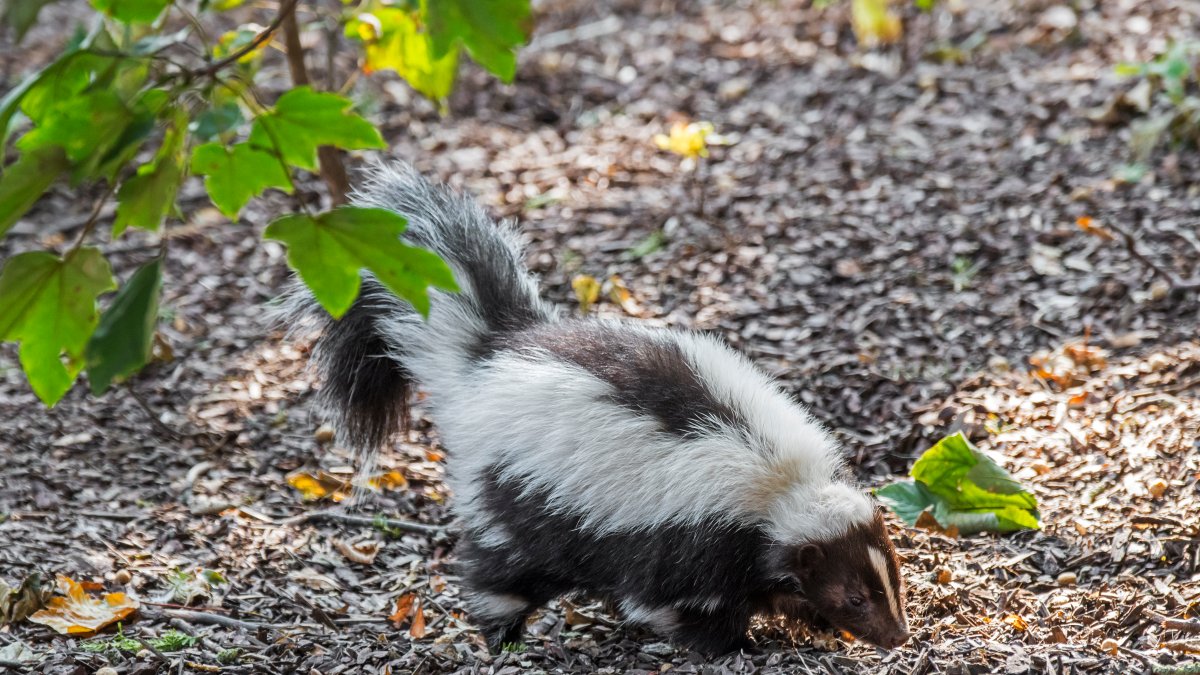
[897, 639]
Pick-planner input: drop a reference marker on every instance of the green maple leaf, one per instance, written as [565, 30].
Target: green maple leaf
[234, 175]
[145, 199]
[962, 488]
[303, 119]
[124, 338]
[24, 182]
[22, 14]
[132, 11]
[329, 251]
[491, 30]
[84, 126]
[48, 305]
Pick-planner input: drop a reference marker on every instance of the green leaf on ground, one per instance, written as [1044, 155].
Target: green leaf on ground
[235, 175]
[48, 305]
[132, 11]
[393, 40]
[962, 488]
[491, 30]
[303, 119]
[329, 250]
[124, 338]
[23, 183]
[653, 242]
[145, 199]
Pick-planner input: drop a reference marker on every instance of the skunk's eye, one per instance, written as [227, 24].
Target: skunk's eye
[856, 601]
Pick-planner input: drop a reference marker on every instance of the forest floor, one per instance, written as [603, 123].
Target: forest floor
[892, 233]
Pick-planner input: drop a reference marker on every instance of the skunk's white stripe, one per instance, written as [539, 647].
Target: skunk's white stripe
[661, 619]
[879, 562]
[810, 501]
[496, 606]
[552, 427]
[708, 605]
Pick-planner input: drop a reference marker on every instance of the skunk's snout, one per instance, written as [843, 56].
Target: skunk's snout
[895, 640]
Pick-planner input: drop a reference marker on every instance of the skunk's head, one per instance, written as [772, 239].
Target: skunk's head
[847, 571]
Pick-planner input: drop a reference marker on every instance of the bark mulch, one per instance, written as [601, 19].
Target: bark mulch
[892, 233]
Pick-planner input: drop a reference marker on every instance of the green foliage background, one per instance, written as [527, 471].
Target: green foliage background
[144, 98]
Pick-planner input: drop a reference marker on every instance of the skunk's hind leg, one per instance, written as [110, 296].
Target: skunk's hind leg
[500, 616]
[501, 592]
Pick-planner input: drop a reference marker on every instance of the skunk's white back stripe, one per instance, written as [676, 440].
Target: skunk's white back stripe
[553, 427]
[879, 562]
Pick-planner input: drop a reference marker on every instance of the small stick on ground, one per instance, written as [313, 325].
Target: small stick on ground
[1185, 625]
[142, 641]
[1172, 280]
[406, 525]
[215, 619]
[154, 419]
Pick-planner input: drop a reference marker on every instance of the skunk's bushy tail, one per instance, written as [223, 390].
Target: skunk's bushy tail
[368, 359]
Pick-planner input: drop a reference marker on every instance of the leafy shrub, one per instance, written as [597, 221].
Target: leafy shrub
[1167, 96]
[145, 98]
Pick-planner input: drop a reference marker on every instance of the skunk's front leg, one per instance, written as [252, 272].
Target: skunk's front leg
[713, 633]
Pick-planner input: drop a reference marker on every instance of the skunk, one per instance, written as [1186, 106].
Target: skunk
[656, 469]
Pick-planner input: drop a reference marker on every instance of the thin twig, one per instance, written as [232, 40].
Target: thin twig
[215, 619]
[95, 216]
[1172, 280]
[1185, 625]
[161, 657]
[406, 525]
[158, 423]
[286, 13]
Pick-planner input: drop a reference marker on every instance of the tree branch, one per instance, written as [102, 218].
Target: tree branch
[286, 11]
[333, 171]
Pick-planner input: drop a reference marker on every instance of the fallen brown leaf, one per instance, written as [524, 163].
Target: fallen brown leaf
[77, 613]
[362, 552]
[417, 630]
[404, 605]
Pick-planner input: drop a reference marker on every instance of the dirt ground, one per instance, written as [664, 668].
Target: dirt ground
[892, 233]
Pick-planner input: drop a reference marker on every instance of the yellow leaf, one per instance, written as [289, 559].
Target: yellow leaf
[79, 613]
[587, 291]
[1089, 225]
[234, 40]
[621, 295]
[874, 23]
[686, 140]
[319, 485]
[394, 40]
[392, 480]
[1016, 622]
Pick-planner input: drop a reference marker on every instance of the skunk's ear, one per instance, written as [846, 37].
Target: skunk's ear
[808, 559]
